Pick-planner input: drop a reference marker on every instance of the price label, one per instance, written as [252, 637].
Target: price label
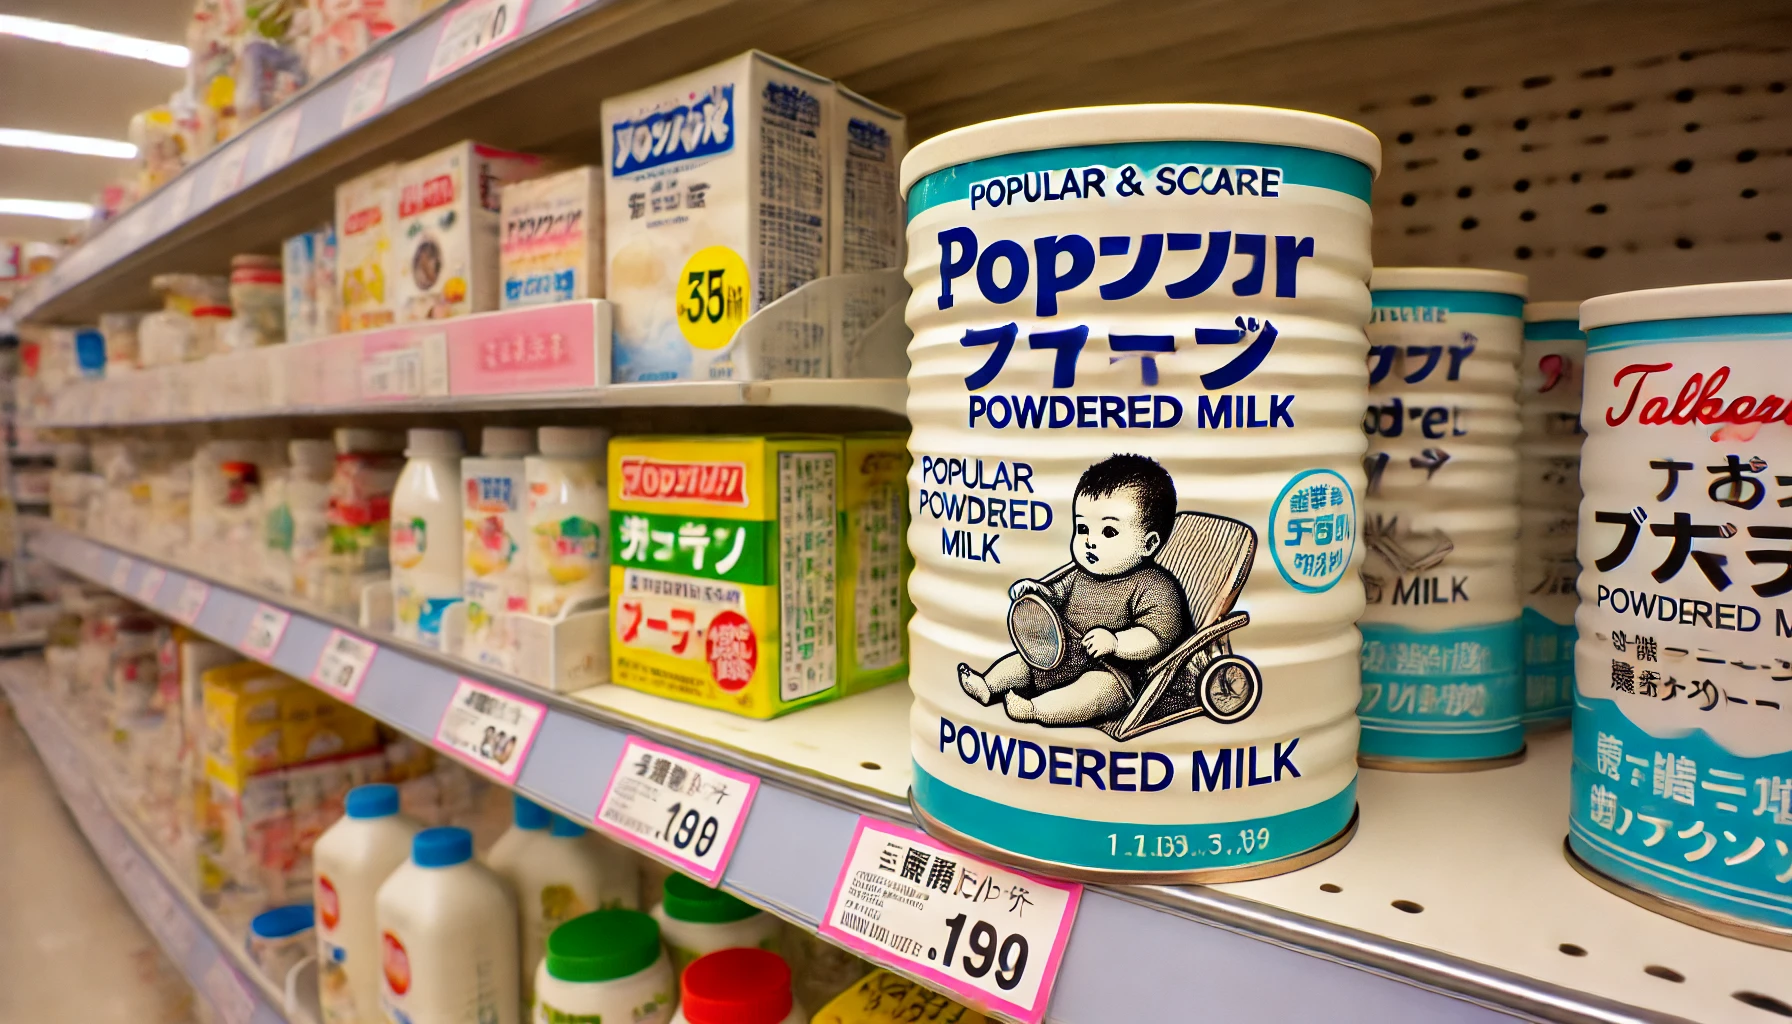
[191, 602]
[180, 197]
[712, 296]
[367, 91]
[413, 371]
[229, 172]
[151, 584]
[473, 30]
[490, 729]
[121, 574]
[283, 134]
[989, 935]
[677, 807]
[265, 631]
[343, 664]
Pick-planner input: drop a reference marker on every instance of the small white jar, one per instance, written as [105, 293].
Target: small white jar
[698, 920]
[605, 965]
[738, 986]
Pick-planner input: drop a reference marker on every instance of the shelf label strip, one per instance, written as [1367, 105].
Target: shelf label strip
[121, 574]
[265, 630]
[677, 807]
[473, 30]
[342, 666]
[990, 935]
[490, 729]
[191, 602]
[151, 584]
[367, 91]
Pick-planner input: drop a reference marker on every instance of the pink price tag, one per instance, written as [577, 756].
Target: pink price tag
[191, 602]
[537, 348]
[677, 807]
[227, 175]
[265, 630]
[151, 584]
[121, 573]
[367, 91]
[282, 136]
[490, 729]
[473, 30]
[342, 666]
[992, 936]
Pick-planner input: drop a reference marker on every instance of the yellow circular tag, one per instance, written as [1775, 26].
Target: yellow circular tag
[712, 296]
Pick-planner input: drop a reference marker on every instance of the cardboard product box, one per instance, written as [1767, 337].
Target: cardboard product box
[724, 569]
[445, 245]
[551, 248]
[874, 561]
[867, 146]
[258, 719]
[366, 217]
[716, 205]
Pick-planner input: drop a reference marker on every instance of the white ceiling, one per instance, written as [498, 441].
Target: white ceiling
[77, 92]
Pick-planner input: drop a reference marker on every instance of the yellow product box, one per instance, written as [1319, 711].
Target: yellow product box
[884, 998]
[874, 561]
[324, 728]
[258, 719]
[723, 569]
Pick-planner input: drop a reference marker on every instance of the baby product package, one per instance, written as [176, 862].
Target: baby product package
[866, 150]
[723, 569]
[874, 561]
[366, 210]
[716, 205]
[551, 247]
[445, 246]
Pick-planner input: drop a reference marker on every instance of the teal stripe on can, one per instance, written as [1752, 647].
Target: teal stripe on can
[1752, 327]
[1442, 695]
[1493, 303]
[1554, 330]
[1299, 167]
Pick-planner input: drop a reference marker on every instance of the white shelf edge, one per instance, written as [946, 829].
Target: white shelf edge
[187, 932]
[1133, 939]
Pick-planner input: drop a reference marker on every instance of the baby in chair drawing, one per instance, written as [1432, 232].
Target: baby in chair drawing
[1119, 608]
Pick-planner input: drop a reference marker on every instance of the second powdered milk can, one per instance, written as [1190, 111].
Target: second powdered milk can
[1138, 371]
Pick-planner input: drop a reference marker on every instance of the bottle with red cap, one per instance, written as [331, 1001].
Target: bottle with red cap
[737, 986]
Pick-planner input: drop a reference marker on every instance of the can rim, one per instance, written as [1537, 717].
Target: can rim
[1142, 122]
[1449, 279]
[1686, 302]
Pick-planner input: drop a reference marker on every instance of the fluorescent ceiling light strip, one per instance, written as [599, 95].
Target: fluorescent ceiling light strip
[25, 138]
[171, 54]
[46, 208]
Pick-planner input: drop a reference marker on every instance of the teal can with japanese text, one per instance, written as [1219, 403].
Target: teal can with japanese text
[1549, 440]
[1682, 778]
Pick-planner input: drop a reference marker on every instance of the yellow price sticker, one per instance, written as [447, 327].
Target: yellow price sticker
[712, 296]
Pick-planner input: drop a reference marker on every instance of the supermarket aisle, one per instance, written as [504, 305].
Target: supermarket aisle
[70, 947]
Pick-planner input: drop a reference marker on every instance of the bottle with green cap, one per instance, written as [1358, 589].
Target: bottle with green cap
[605, 966]
[558, 876]
[697, 920]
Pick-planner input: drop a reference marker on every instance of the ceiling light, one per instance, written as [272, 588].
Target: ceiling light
[173, 55]
[25, 138]
[46, 208]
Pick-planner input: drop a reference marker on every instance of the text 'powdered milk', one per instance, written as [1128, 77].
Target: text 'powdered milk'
[724, 563]
[366, 218]
[716, 204]
[445, 248]
[1136, 389]
[1682, 781]
[1442, 649]
[1549, 441]
[551, 248]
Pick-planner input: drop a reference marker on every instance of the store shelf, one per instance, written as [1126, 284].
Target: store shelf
[1480, 853]
[219, 969]
[12, 643]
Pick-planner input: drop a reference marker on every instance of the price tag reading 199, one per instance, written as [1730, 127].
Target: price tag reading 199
[992, 936]
[677, 807]
[712, 296]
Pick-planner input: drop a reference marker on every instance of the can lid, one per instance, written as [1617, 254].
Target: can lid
[528, 815]
[442, 847]
[379, 800]
[430, 442]
[1142, 122]
[1544, 312]
[350, 440]
[1735, 298]
[686, 899]
[502, 442]
[1448, 279]
[573, 442]
[283, 922]
[736, 986]
[603, 945]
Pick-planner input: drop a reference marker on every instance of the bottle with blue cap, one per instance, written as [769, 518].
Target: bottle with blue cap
[352, 859]
[448, 937]
[560, 874]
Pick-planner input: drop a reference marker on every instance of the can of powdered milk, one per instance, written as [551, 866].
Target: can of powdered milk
[1138, 371]
[1682, 798]
[1442, 662]
[1549, 440]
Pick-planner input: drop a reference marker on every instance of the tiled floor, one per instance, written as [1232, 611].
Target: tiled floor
[70, 947]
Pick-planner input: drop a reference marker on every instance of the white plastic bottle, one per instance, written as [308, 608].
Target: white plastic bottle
[557, 879]
[426, 535]
[448, 937]
[307, 514]
[737, 986]
[569, 519]
[494, 528]
[528, 825]
[697, 920]
[352, 859]
[607, 965]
